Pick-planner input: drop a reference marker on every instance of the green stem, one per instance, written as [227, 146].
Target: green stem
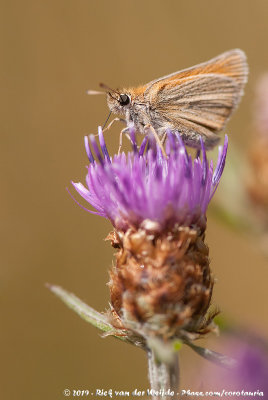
[164, 376]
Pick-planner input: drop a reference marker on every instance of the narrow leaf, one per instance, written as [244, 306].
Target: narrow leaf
[82, 309]
[95, 318]
[213, 356]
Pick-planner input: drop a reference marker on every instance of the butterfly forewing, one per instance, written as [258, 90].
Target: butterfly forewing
[199, 100]
[232, 63]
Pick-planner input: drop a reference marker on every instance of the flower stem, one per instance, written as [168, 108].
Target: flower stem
[164, 376]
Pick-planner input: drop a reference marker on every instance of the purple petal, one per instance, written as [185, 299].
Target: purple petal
[96, 148]
[88, 151]
[142, 146]
[103, 144]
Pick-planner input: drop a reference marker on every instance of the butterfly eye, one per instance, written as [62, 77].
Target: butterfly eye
[124, 99]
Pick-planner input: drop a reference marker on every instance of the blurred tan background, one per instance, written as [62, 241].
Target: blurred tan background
[51, 53]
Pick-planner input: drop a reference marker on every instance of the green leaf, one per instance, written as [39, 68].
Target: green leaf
[92, 316]
[82, 309]
[213, 356]
[99, 320]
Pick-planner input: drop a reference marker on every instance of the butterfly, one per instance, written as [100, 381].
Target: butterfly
[196, 102]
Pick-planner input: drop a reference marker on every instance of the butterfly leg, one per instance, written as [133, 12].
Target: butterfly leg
[163, 138]
[121, 139]
[112, 122]
[148, 129]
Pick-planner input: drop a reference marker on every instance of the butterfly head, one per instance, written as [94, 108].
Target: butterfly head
[118, 102]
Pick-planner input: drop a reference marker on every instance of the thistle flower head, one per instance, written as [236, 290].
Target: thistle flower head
[161, 283]
[145, 185]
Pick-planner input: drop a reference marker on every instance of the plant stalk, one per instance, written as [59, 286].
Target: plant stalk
[164, 377]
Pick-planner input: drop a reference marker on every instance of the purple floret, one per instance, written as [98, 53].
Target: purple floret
[144, 184]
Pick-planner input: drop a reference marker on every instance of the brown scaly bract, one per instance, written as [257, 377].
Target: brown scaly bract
[161, 284]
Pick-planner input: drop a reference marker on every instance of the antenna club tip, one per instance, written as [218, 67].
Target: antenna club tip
[94, 92]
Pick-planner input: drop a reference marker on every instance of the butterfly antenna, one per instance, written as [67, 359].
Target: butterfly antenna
[94, 92]
[105, 87]
[107, 119]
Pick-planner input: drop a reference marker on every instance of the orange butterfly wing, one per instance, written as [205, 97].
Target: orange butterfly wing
[199, 100]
